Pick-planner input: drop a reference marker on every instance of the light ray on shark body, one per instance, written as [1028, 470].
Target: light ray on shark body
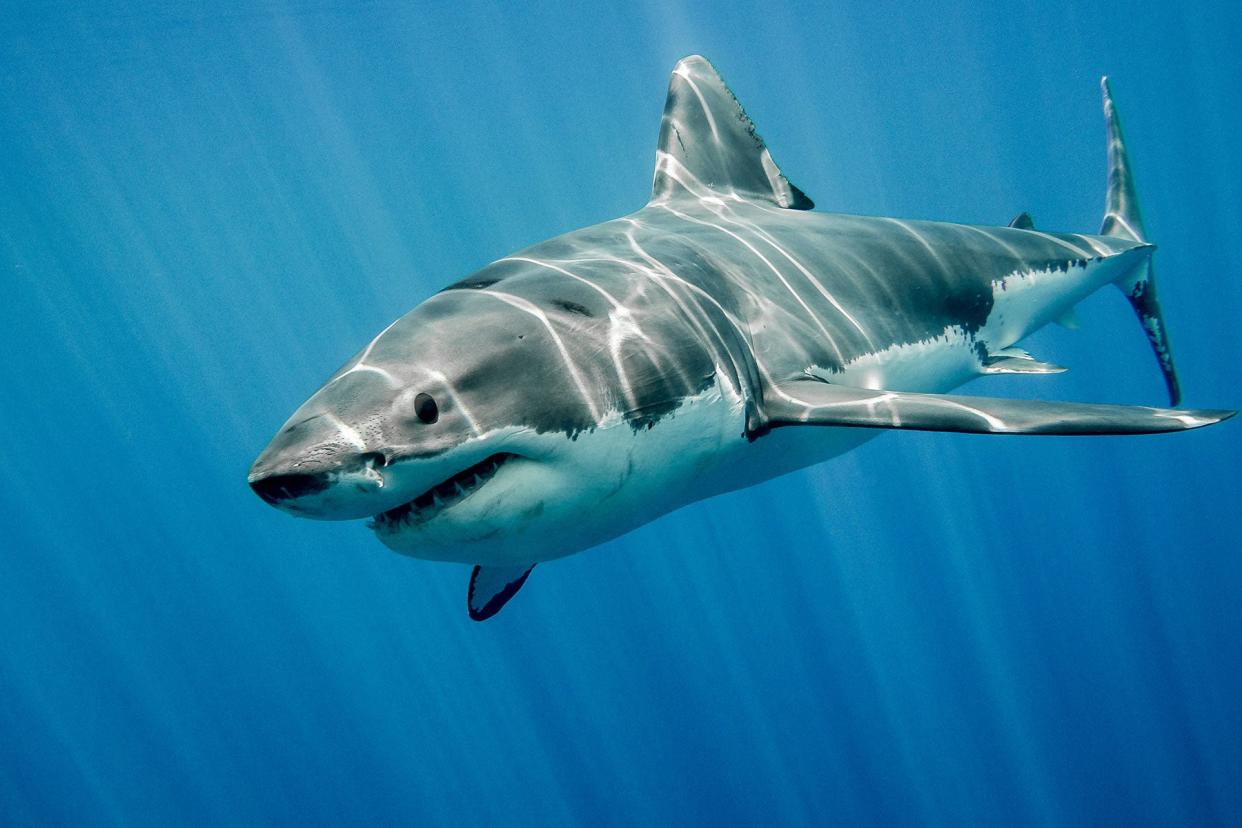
[575, 390]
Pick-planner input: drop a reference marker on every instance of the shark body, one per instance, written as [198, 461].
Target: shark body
[722, 335]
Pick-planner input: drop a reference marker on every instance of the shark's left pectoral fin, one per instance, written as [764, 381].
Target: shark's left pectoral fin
[813, 402]
[491, 587]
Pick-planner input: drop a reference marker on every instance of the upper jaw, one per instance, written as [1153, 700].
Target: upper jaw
[346, 494]
[332, 485]
[300, 481]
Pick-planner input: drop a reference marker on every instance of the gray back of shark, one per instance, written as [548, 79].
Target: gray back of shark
[583, 386]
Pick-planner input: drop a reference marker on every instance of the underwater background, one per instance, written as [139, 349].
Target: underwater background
[203, 212]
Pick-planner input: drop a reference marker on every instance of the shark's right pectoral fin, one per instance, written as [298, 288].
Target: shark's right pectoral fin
[813, 402]
[491, 587]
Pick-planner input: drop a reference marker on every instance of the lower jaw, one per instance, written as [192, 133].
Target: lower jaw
[439, 536]
[416, 542]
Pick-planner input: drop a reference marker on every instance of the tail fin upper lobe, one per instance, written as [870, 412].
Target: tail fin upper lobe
[1122, 219]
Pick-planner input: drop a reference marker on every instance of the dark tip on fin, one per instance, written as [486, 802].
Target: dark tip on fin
[491, 587]
[800, 200]
[1141, 294]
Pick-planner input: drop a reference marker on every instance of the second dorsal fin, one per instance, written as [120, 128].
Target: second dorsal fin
[708, 145]
[1023, 221]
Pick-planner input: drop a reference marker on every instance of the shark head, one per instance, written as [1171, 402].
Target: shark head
[448, 430]
[465, 431]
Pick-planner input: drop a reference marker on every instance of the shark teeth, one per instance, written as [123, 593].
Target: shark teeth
[441, 496]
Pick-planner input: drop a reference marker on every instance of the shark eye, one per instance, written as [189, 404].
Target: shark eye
[425, 408]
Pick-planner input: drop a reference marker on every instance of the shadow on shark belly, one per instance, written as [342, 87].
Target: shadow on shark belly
[721, 336]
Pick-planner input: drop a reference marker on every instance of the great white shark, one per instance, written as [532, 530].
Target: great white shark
[721, 336]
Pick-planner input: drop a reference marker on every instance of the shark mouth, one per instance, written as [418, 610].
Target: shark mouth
[441, 496]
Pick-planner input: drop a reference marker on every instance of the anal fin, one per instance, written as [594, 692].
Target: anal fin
[1069, 320]
[491, 587]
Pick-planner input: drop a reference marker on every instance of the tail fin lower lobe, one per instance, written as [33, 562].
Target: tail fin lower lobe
[1122, 219]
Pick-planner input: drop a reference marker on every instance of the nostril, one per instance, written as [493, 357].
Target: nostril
[280, 487]
[377, 459]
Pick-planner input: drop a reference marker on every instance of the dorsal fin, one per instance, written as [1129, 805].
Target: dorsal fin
[707, 143]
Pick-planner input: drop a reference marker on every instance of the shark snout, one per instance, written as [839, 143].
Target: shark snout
[316, 473]
[355, 488]
[277, 488]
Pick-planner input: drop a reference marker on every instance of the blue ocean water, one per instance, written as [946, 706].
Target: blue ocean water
[204, 212]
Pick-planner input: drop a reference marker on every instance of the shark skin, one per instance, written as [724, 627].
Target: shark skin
[723, 335]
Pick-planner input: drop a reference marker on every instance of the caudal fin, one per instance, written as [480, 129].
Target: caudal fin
[1122, 219]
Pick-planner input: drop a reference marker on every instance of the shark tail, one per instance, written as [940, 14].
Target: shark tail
[1122, 219]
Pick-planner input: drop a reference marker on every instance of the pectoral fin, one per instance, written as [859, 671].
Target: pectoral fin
[812, 402]
[491, 587]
